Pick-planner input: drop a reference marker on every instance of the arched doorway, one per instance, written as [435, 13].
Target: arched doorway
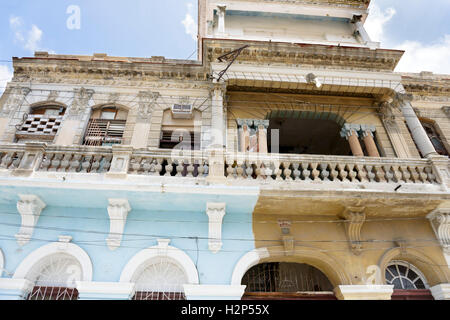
[286, 281]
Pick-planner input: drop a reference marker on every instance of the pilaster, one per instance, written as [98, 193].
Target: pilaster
[120, 161]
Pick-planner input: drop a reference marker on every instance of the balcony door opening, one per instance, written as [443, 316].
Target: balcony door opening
[286, 281]
[106, 126]
[307, 136]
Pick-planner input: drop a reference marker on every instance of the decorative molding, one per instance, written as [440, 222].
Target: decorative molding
[105, 290]
[15, 289]
[37, 255]
[441, 291]
[364, 292]
[118, 210]
[214, 292]
[133, 267]
[440, 221]
[247, 261]
[215, 212]
[147, 100]
[80, 101]
[354, 220]
[15, 99]
[30, 207]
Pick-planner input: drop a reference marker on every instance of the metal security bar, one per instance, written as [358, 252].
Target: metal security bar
[53, 293]
[286, 278]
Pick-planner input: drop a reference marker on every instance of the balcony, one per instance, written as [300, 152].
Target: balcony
[274, 172]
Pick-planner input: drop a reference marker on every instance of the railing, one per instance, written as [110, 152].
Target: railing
[229, 168]
[169, 163]
[328, 169]
[102, 131]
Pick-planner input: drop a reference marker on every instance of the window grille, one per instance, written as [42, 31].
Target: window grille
[162, 279]
[104, 132]
[285, 278]
[55, 278]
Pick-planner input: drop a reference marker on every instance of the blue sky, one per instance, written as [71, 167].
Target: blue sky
[144, 28]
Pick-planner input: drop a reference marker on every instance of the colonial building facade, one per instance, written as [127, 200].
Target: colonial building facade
[289, 161]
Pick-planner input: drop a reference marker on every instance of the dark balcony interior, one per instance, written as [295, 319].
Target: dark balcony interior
[307, 136]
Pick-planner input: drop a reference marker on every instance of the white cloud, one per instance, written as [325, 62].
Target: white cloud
[33, 39]
[28, 40]
[376, 21]
[190, 26]
[5, 76]
[419, 57]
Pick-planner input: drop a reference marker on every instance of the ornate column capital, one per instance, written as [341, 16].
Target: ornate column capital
[30, 207]
[215, 212]
[261, 123]
[118, 210]
[349, 128]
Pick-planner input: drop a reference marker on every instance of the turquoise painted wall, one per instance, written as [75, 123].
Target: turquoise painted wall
[83, 215]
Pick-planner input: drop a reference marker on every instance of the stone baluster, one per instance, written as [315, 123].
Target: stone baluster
[406, 175]
[106, 164]
[168, 168]
[75, 163]
[240, 169]
[370, 173]
[380, 174]
[146, 165]
[350, 132]
[333, 172]
[286, 170]
[56, 162]
[296, 173]
[314, 172]
[343, 173]
[65, 162]
[324, 174]
[16, 160]
[190, 168]
[414, 174]
[86, 164]
[397, 175]
[96, 163]
[249, 170]
[46, 162]
[179, 168]
[7, 160]
[362, 173]
[306, 173]
[351, 173]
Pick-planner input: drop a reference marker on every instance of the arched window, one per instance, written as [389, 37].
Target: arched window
[160, 279]
[55, 278]
[409, 283]
[41, 123]
[280, 280]
[106, 126]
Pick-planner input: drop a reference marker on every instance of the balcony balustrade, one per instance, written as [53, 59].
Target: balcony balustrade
[238, 168]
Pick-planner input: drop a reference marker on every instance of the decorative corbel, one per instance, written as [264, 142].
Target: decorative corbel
[440, 221]
[30, 207]
[163, 246]
[287, 238]
[118, 210]
[215, 212]
[354, 220]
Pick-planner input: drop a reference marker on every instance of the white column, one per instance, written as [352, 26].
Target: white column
[30, 207]
[217, 123]
[215, 212]
[118, 210]
[364, 292]
[417, 131]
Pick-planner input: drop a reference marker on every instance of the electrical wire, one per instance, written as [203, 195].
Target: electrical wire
[207, 222]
